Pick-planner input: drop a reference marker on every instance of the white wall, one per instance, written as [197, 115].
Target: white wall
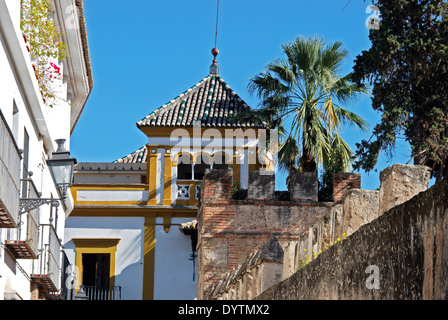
[112, 195]
[129, 255]
[43, 124]
[12, 279]
[173, 270]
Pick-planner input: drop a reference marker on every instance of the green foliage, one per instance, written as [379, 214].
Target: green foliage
[238, 193]
[407, 67]
[44, 42]
[310, 257]
[306, 86]
[335, 163]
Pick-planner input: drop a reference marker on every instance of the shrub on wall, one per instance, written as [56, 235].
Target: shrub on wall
[45, 44]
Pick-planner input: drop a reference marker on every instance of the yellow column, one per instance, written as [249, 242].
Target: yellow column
[167, 179]
[254, 164]
[167, 223]
[148, 257]
[236, 165]
[152, 174]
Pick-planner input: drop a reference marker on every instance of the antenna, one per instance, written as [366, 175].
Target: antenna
[217, 16]
[214, 67]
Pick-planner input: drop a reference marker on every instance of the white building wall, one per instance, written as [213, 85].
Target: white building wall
[10, 93]
[129, 255]
[18, 86]
[173, 269]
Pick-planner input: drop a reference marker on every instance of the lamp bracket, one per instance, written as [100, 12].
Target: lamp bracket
[29, 204]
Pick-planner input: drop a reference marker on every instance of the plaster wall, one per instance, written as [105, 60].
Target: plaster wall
[23, 108]
[173, 270]
[129, 255]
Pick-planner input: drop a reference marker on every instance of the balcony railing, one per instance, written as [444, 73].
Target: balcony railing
[102, 293]
[26, 243]
[9, 177]
[188, 190]
[23, 241]
[46, 269]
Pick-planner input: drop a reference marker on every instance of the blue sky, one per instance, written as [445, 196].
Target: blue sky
[146, 52]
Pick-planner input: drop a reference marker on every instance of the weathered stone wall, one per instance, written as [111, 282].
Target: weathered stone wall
[401, 180]
[403, 254]
[303, 186]
[261, 270]
[230, 231]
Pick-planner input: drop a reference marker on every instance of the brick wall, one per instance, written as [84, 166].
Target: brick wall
[343, 182]
[229, 230]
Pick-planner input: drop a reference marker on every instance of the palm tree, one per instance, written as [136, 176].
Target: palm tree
[306, 86]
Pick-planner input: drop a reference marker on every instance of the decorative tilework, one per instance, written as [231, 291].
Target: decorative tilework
[198, 189]
[183, 192]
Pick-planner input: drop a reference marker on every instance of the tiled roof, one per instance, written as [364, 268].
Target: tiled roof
[189, 225]
[138, 156]
[211, 101]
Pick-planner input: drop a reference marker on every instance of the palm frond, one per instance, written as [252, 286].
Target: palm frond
[307, 86]
[283, 70]
[348, 117]
[288, 155]
[342, 153]
[265, 85]
[346, 91]
[331, 116]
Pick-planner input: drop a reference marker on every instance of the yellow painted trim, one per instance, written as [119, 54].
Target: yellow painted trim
[152, 175]
[109, 187]
[228, 158]
[101, 187]
[156, 132]
[208, 158]
[189, 182]
[90, 245]
[148, 257]
[166, 223]
[236, 165]
[167, 180]
[110, 211]
[110, 203]
[175, 157]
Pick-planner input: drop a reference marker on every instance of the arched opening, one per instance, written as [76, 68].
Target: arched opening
[220, 161]
[184, 169]
[202, 162]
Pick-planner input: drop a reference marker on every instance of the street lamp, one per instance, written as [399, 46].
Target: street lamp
[62, 169]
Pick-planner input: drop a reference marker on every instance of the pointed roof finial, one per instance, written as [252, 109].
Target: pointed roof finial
[214, 69]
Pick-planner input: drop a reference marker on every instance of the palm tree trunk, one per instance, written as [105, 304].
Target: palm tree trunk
[308, 162]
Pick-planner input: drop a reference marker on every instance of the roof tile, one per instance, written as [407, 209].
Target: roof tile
[211, 101]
